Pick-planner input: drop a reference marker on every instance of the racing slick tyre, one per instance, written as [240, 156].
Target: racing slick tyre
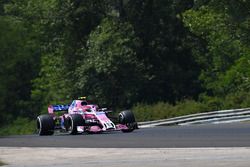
[45, 125]
[127, 118]
[73, 121]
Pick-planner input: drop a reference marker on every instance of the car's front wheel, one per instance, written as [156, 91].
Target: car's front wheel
[127, 118]
[73, 121]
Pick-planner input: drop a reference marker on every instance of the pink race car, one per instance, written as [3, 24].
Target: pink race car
[80, 116]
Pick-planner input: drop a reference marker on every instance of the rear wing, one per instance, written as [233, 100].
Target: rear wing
[58, 108]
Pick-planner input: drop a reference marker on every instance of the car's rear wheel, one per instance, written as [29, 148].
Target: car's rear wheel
[73, 121]
[45, 125]
[127, 118]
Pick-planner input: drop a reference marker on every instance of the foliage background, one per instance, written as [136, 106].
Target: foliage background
[163, 58]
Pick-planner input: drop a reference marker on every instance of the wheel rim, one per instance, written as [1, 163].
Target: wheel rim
[121, 119]
[70, 128]
[39, 125]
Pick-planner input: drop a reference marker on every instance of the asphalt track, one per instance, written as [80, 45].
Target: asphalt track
[219, 135]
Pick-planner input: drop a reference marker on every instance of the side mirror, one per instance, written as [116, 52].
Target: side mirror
[102, 109]
[108, 111]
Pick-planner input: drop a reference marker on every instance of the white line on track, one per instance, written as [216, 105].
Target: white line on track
[125, 157]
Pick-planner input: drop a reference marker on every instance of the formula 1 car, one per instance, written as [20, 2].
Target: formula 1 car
[80, 116]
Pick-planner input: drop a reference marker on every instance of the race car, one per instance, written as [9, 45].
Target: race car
[81, 116]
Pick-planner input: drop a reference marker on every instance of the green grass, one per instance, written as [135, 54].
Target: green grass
[18, 127]
[2, 163]
[247, 122]
[162, 110]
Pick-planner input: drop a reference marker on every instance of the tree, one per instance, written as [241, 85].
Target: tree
[18, 54]
[222, 25]
[165, 50]
[111, 70]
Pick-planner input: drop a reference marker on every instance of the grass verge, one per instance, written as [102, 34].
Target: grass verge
[2, 163]
[163, 110]
[20, 126]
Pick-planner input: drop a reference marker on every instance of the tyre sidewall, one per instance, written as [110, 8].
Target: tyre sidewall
[45, 125]
[73, 121]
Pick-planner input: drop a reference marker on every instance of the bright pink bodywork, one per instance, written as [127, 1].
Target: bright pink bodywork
[90, 112]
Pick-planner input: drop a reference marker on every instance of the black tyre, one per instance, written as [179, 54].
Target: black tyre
[127, 118]
[73, 121]
[45, 125]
